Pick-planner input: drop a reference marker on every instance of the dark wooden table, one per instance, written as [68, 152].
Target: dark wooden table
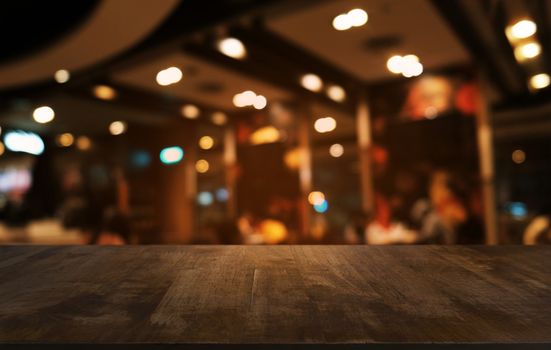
[247, 297]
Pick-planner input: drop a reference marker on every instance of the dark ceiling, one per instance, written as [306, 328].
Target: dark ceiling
[38, 24]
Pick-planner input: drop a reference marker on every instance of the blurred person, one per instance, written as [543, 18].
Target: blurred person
[384, 230]
[442, 214]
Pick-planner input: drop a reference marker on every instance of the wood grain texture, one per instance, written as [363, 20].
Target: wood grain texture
[355, 296]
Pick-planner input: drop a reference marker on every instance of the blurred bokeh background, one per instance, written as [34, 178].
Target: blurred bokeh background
[275, 122]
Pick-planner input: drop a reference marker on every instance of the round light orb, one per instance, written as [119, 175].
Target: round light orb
[260, 102]
[357, 17]
[62, 76]
[523, 29]
[206, 142]
[527, 51]
[205, 198]
[43, 115]
[84, 143]
[202, 166]
[219, 118]
[104, 92]
[232, 47]
[518, 156]
[342, 22]
[395, 64]
[169, 76]
[65, 139]
[190, 111]
[311, 82]
[539, 81]
[316, 197]
[117, 127]
[336, 150]
[171, 155]
[336, 93]
[324, 125]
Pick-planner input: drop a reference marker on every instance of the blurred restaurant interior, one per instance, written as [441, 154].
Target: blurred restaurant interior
[275, 122]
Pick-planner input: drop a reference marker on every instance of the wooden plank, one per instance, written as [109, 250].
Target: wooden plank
[276, 297]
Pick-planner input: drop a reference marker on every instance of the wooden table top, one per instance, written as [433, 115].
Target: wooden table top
[331, 296]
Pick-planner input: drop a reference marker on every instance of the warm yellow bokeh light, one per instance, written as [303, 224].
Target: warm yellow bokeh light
[117, 127]
[336, 93]
[190, 111]
[104, 92]
[206, 142]
[539, 81]
[323, 125]
[62, 76]
[65, 139]
[521, 30]
[84, 143]
[202, 166]
[316, 198]
[219, 118]
[266, 134]
[232, 47]
[169, 76]
[527, 51]
[260, 102]
[311, 82]
[518, 156]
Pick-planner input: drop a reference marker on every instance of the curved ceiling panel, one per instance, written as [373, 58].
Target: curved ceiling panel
[113, 27]
[28, 26]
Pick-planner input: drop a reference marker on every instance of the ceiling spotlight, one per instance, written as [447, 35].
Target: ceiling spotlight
[43, 114]
[354, 18]
[409, 65]
[117, 128]
[336, 93]
[232, 47]
[539, 81]
[357, 17]
[219, 118]
[246, 98]
[527, 51]
[190, 111]
[324, 125]
[104, 92]
[169, 76]
[394, 64]
[260, 102]
[342, 22]
[311, 82]
[62, 76]
[521, 30]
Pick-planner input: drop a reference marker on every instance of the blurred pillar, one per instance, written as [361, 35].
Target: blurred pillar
[305, 167]
[486, 159]
[230, 165]
[363, 129]
[178, 188]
